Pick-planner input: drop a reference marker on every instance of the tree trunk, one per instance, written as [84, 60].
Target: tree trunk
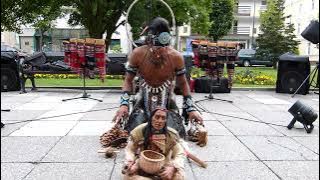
[41, 40]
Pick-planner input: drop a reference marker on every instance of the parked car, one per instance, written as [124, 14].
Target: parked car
[248, 57]
[9, 71]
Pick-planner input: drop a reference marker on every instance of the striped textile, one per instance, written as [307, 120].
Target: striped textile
[66, 48]
[74, 63]
[100, 60]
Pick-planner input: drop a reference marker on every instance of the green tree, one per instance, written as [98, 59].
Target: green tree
[16, 13]
[195, 12]
[99, 16]
[276, 38]
[221, 18]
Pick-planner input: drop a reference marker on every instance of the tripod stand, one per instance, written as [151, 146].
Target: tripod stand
[314, 72]
[210, 96]
[85, 95]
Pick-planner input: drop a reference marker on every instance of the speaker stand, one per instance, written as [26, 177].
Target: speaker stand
[314, 72]
[85, 95]
[210, 96]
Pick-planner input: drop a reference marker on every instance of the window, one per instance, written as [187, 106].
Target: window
[263, 2]
[26, 43]
[309, 48]
[185, 29]
[300, 8]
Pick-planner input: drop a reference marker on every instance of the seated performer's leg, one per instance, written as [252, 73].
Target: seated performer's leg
[179, 175]
[220, 67]
[135, 177]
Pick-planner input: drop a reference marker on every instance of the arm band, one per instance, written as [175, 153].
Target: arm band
[131, 69]
[181, 72]
[188, 104]
[124, 100]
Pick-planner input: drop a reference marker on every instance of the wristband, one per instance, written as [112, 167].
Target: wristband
[188, 104]
[124, 100]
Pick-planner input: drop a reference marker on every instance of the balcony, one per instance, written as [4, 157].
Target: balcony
[263, 8]
[240, 30]
[243, 10]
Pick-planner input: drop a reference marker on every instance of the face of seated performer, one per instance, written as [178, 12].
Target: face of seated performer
[159, 119]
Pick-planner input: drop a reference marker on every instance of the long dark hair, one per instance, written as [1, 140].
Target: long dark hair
[158, 25]
[147, 131]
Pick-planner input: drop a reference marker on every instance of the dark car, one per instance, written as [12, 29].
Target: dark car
[9, 71]
[115, 61]
[248, 57]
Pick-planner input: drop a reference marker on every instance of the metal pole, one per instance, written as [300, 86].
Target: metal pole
[253, 16]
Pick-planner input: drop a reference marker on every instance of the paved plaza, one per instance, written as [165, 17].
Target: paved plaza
[248, 138]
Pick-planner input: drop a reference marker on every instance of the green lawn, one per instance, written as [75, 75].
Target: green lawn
[51, 82]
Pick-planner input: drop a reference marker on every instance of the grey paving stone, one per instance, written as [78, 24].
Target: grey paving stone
[77, 149]
[9, 128]
[15, 115]
[278, 148]
[25, 149]
[297, 130]
[104, 114]
[15, 171]
[231, 115]
[219, 107]
[237, 170]
[215, 128]
[254, 107]
[293, 170]
[250, 128]
[71, 171]
[310, 142]
[222, 148]
[277, 117]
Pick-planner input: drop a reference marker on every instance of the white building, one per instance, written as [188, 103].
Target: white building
[302, 12]
[246, 22]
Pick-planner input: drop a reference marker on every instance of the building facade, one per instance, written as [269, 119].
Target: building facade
[246, 22]
[302, 12]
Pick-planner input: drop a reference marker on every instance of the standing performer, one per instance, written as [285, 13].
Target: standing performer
[158, 65]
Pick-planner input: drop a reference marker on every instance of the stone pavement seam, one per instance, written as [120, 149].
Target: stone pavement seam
[278, 176]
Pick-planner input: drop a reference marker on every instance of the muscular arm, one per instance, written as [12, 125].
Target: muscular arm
[133, 64]
[182, 82]
[127, 85]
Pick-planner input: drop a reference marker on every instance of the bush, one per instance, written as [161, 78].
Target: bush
[249, 77]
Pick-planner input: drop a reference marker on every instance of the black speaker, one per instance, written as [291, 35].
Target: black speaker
[292, 71]
[202, 85]
[311, 33]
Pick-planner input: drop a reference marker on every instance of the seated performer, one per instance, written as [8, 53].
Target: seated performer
[156, 136]
[158, 65]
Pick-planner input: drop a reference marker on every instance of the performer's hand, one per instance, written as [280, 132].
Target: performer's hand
[122, 112]
[195, 115]
[133, 169]
[168, 172]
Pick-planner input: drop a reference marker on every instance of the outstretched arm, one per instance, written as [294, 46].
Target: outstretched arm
[182, 83]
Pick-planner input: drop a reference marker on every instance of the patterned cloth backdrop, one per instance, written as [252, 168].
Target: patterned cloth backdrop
[100, 57]
[74, 63]
[66, 47]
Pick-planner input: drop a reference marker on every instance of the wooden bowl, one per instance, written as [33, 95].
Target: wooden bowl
[151, 161]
